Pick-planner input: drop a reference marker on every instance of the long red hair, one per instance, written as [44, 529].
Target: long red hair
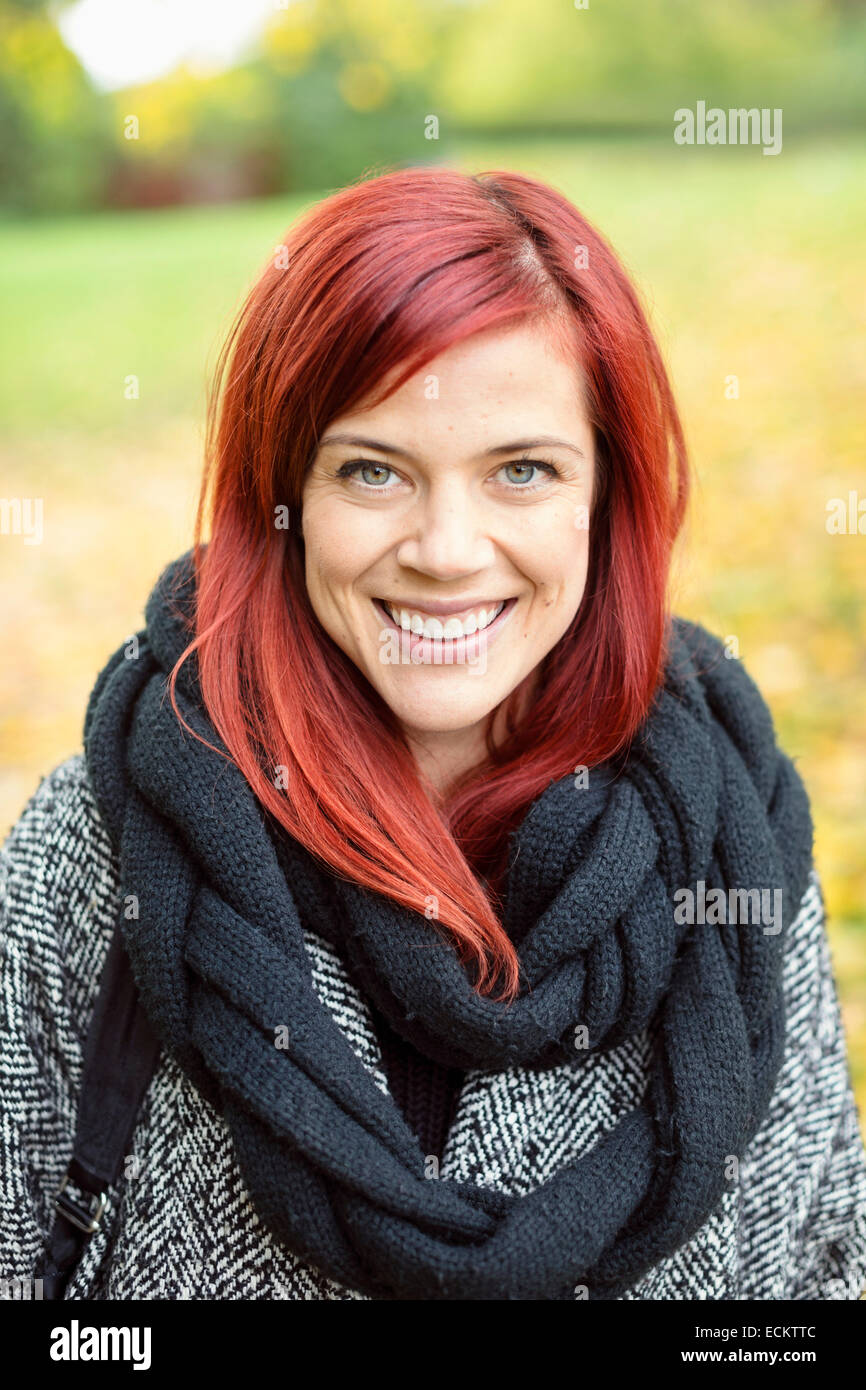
[384, 275]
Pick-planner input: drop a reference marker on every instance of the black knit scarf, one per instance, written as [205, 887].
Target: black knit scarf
[335, 1172]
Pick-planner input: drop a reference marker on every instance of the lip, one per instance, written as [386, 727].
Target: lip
[445, 651]
[444, 607]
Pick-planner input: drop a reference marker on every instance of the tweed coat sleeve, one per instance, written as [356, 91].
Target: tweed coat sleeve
[56, 876]
[794, 1225]
[804, 1175]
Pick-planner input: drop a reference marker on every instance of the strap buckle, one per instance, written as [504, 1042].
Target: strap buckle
[85, 1217]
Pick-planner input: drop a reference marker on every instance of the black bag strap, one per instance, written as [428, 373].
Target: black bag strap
[120, 1058]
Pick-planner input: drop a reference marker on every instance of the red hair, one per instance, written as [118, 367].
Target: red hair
[375, 280]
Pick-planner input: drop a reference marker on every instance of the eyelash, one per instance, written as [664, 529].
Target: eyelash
[349, 469]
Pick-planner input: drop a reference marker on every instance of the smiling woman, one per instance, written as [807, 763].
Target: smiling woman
[482, 334]
[392, 819]
[477, 557]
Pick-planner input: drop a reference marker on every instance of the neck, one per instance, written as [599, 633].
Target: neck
[444, 757]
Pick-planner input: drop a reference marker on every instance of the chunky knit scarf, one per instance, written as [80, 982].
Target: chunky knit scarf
[213, 916]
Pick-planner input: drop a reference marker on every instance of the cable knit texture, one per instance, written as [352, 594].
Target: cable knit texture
[335, 1172]
[425, 1091]
[180, 1224]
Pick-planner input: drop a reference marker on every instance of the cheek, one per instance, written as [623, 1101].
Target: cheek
[558, 564]
[335, 551]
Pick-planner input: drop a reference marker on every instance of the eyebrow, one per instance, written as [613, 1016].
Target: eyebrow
[542, 441]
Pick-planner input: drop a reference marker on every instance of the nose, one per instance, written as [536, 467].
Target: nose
[446, 534]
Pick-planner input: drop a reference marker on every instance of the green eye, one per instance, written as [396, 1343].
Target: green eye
[548, 469]
[348, 470]
[524, 466]
[377, 473]
[374, 468]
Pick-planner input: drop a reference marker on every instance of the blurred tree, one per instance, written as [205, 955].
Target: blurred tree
[336, 89]
[351, 84]
[635, 62]
[54, 134]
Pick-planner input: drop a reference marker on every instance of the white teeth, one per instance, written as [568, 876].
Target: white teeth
[452, 627]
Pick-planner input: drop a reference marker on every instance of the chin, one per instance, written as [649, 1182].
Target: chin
[462, 710]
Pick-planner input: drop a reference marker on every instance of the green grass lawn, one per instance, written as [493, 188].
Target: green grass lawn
[751, 267]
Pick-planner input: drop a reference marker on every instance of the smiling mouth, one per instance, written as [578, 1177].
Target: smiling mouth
[444, 629]
[439, 641]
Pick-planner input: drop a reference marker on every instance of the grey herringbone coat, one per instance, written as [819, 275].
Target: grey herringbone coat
[180, 1224]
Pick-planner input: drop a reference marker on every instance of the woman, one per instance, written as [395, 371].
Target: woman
[468, 901]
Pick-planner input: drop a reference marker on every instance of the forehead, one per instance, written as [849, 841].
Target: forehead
[512, 382]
